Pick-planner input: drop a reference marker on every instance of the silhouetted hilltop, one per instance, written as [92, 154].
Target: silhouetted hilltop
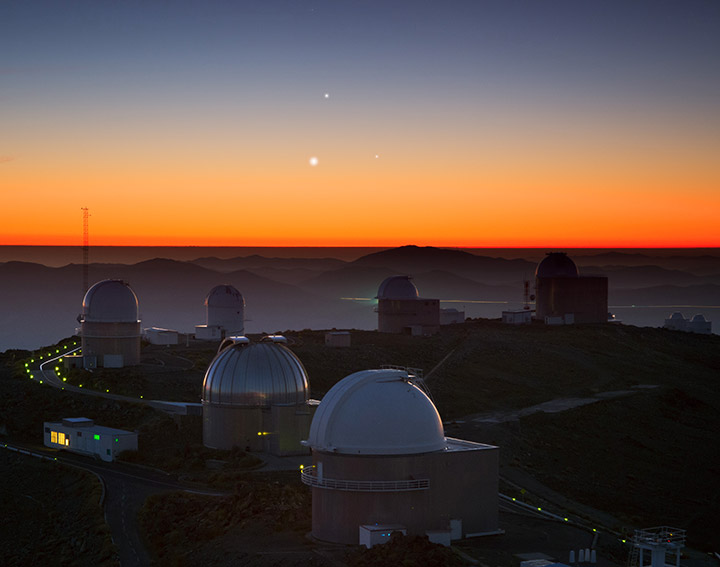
[706, 264]
[641, 276]
[693, 297]
[414, 259]
[349, 281]
[259, 262]
[41, 303]
[446, 285]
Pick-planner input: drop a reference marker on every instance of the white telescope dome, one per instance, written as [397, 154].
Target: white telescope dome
[377, 412]
[110, 301]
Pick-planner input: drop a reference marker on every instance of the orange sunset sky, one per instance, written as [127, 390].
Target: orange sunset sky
[452, 124]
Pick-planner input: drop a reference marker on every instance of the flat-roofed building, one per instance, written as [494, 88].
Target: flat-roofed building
[81, 435]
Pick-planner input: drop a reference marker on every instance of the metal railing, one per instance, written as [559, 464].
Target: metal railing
[661, 535]
[310, 478]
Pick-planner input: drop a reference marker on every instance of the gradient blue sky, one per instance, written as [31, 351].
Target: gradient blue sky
[590, 111]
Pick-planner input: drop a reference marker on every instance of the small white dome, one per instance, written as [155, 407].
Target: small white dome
[110, 301]
[677, 316]
[699, 318]
[224, 296]
[397, 287]
[377, 412]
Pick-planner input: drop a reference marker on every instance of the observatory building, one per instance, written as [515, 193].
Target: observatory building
[381, 459]
[563, 296]
[698, 324]
[225, 314]
[110, 326]
[255, 396]
[82, 435]
[402, 310]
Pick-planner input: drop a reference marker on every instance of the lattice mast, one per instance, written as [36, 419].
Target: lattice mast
[86, 249]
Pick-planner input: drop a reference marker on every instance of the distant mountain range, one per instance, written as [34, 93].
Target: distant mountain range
[39, 305]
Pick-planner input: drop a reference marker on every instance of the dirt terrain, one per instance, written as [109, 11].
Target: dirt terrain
[626, 436]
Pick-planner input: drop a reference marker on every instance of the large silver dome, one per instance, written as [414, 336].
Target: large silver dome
[397, 287]
[255, 375]
[110, 301]
[377, 412]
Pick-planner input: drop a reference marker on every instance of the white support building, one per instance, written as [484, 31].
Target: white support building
[651, 547]
[337, 339]
[517, 316]
[81, 435]
[158, 336]
[451, 316]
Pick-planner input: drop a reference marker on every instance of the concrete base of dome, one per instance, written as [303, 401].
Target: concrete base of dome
[276, 430]
[422, 492]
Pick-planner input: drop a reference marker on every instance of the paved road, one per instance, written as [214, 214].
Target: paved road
[47, 372]
[126, 489]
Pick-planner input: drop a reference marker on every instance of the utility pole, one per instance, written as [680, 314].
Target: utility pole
[86, 249]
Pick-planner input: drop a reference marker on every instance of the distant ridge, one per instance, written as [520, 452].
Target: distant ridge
[40, 303]
[412, 259]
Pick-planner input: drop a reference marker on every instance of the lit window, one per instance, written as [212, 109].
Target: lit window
[53, 437]
[97, 437]
[61, 438]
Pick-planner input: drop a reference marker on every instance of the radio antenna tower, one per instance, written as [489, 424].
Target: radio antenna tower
[86, 249]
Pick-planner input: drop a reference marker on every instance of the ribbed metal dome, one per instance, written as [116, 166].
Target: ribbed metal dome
[556, 265]
[397, 287]
[110, 301]
[255, 375]
[377, 412]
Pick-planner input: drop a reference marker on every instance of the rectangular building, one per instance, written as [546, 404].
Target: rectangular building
[81, 435]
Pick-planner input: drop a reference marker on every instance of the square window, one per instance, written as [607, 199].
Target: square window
[53, 437]
[79, 433]
[108, 451]
[97, 437]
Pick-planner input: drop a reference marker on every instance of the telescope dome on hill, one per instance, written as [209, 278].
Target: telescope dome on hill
[224, 314]
[255, 396]
[110, 325]
[381, 462]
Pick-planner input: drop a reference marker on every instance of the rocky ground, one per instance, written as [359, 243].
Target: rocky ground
[635, 445]
[51, 515]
